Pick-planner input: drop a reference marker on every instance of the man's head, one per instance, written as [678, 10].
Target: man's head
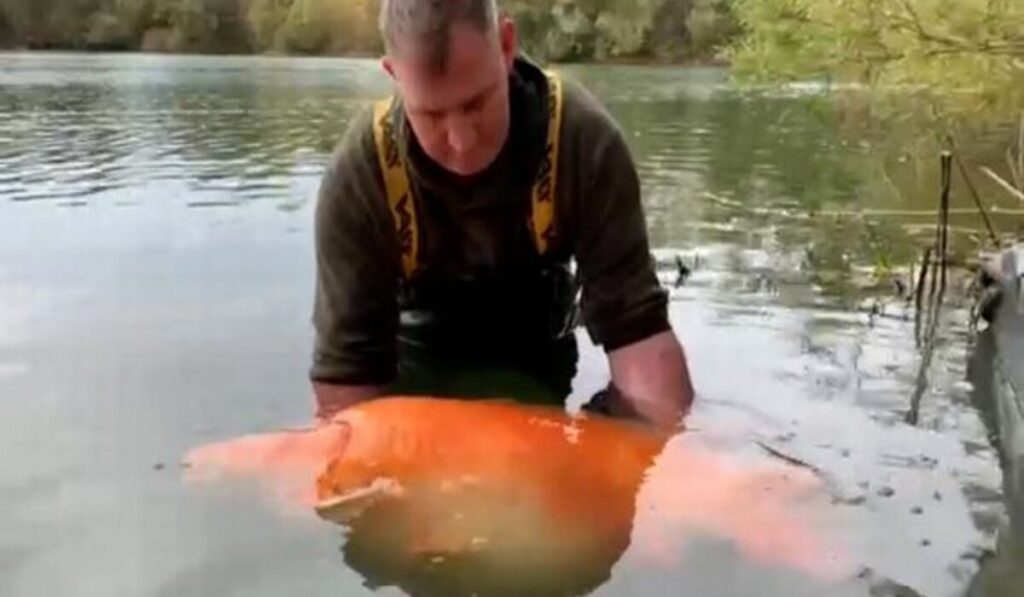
[451, 61]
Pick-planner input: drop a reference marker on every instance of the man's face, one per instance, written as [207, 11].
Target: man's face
[460, 116]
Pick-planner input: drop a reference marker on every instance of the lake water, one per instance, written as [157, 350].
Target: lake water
[156, 280]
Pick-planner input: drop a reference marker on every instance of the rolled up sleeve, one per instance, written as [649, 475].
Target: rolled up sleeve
[355, 312]
[622, 300]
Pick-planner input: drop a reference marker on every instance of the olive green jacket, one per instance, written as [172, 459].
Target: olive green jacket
[483, 291]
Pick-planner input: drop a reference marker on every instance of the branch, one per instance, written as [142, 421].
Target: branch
[1002, 182]
[1020, 154]
[1008, 45]
[915, 21]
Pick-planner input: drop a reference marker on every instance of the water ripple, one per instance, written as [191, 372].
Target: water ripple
[247, 140]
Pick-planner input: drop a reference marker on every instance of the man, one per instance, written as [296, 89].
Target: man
[447, 221]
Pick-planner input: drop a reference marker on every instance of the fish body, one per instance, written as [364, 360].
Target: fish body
[528, 453]
[444, 496]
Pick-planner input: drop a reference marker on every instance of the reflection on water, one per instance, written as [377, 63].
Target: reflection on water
[239, 130]
[170, 308]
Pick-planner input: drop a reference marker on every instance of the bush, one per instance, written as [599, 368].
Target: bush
[264, 19]
[305, 30]
[7, 38]
[107, 32]
[710, 25]
[969, 55]
[576, 30]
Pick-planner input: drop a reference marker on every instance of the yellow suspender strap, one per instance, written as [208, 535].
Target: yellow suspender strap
[396, 183]
[542, 206]
[399, 194]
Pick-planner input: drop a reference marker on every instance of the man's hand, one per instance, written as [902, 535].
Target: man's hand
[332, 399]
[653, 378]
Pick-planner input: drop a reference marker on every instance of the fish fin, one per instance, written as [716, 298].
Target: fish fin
[345, 508]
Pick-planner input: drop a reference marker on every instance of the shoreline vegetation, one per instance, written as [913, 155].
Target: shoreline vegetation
[968, 62]
[920, 70]
[605, 31]
[965, 58]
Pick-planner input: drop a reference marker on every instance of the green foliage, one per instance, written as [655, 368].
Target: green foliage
[304, 30]
[710, 23]
[575, 30]
[967, 54]
[106, 31]
[202, 25]
[265, 18]
[534, 20]
[6, 30]
[209, 25]
[587, 29]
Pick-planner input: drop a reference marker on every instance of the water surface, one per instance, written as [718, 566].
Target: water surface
[156, 280]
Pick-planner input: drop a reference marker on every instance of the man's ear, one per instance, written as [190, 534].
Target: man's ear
[509, 37]
[389, 66]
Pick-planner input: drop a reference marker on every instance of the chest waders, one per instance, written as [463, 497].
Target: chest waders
[540, 371]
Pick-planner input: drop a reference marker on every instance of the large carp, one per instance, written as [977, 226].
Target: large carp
[445, 496]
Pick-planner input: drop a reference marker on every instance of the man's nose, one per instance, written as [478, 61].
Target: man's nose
[461, 134]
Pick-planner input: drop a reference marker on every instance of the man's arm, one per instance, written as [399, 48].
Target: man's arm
[652, 377]
[355, 315]
[625, 308]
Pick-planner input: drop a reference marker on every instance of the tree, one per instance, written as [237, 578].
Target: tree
[209, 25]
[264, 18]
[550, 29]
[710, 24]
[6, 30]
[968, 53]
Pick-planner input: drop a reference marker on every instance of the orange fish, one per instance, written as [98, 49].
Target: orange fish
[450, 497]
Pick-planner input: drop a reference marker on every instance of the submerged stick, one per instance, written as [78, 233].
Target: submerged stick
[919, 294]
[974, 192]
[927, 343]
[1015, 173]
[1020, 154]
[908, 213]
[927, 346]
[947, 174]
[936, 258]
[787, 458]
[921, 384]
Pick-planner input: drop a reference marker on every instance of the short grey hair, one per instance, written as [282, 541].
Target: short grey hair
[427, 24]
